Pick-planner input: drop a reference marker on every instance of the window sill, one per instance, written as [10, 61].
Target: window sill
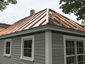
[8, 55]
[26, 58]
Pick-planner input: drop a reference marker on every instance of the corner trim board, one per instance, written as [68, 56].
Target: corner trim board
[48, 47]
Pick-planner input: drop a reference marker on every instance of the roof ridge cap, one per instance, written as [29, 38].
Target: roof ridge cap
[47, 15]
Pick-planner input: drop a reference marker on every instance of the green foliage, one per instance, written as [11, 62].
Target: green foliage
[83, 22]
[5, 3]
[74, 6]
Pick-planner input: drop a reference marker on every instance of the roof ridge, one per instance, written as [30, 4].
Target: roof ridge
[47, 15]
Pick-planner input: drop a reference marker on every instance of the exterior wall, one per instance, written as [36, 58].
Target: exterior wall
[57, 48]
[39, 51]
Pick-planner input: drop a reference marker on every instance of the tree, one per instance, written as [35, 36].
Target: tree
[83, 22]
[5, 3]
[74, 6]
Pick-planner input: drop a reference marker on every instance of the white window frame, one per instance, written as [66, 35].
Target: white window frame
[10, 40]
[23, 57]
[65, 37]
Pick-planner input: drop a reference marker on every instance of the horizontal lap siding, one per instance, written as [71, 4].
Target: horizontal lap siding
[39, 48]
[57, 48]
[39, 51]
[1, 51]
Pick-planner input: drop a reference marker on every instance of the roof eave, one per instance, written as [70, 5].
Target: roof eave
[67, 30]
[44, 28]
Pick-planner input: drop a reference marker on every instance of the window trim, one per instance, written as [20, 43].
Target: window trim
[65, 37]
[23, 57]
[10, 40]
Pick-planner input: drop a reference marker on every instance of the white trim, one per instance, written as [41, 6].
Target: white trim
[64, 50]
[23, 57]
[48, 47]
[10, 40]
[73, 38]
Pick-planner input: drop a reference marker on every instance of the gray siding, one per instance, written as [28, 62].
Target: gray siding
[39, 51]
[57, 48]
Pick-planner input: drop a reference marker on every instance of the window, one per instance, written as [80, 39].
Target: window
[7, 47]
[27, 48]
[74, 51]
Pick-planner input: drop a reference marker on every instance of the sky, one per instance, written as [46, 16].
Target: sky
[13, 13]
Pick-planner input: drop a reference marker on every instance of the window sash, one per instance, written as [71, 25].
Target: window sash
[80, 59]
[80, 48]
[27, 53]
[27, 49]
[71, 60]
[7, 50]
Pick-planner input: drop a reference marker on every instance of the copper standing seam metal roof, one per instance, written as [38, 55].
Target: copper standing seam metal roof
[43, 17]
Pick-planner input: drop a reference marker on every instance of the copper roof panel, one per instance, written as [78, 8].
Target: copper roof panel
[42, 18]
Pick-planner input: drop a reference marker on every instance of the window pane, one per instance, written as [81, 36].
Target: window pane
[71, 60]
[30, 54]
[7, 50]
[70, 51]
[79, 50]
[79, 44]
[28, 48]
[69, 43]
[27, 52]
[7, 47]
[79, 47]
[7, 44]
[28, 44]
[80, 59]
[25, 43]
[70, 47]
